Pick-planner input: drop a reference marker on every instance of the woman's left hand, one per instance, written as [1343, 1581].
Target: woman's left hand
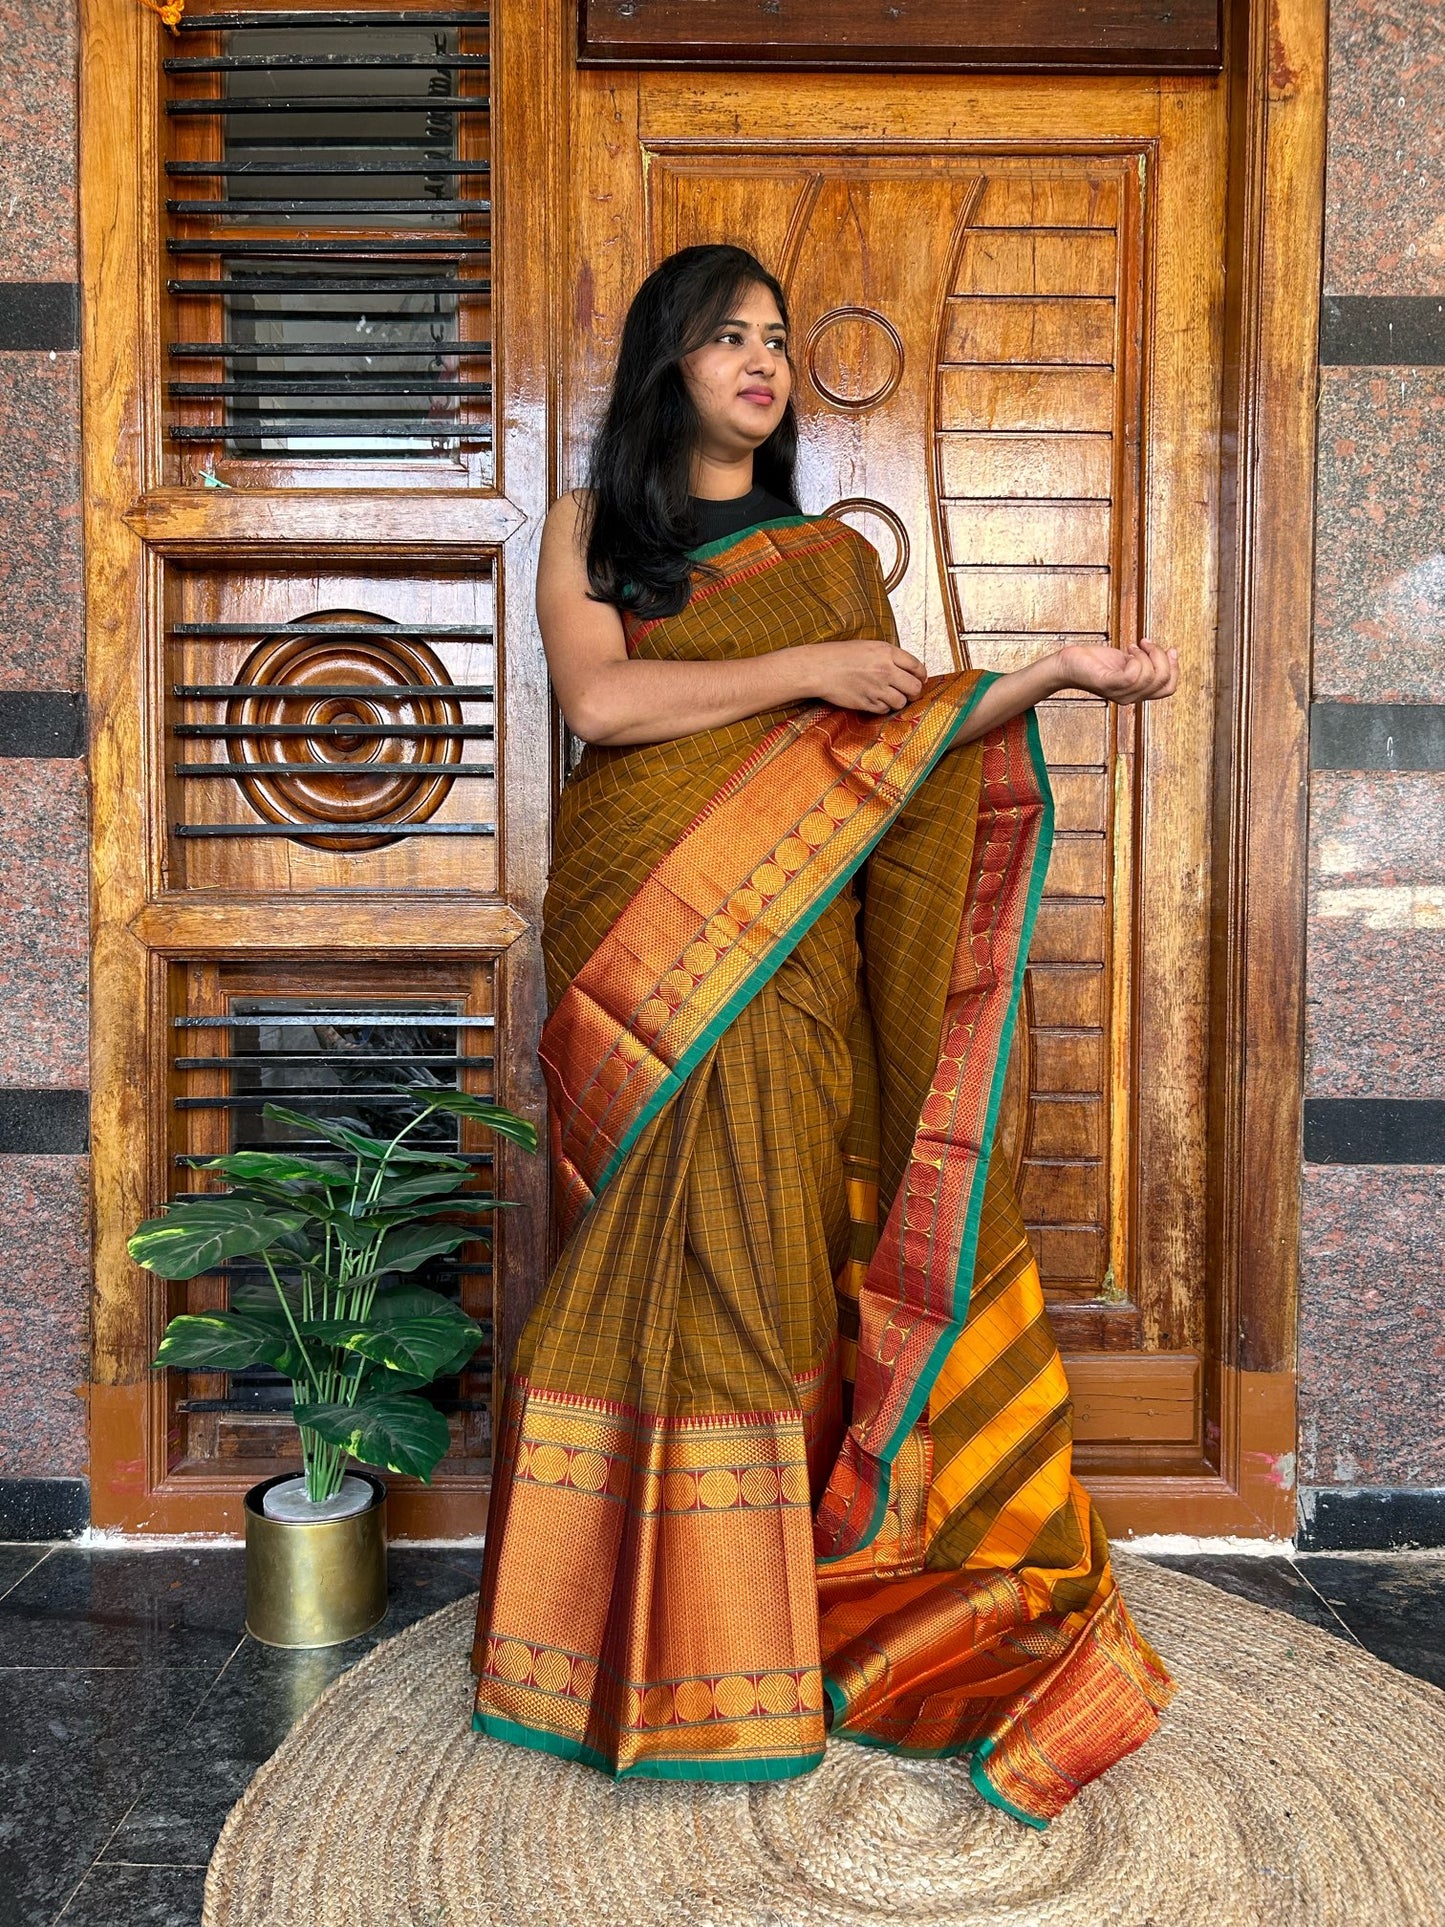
[1137, 674]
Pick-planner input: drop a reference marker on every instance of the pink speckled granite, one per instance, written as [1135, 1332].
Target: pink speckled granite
[41, 634]
[1374, 1003]
[37, 140]
[1372, 1326]
[1379, 547]
[1374, 1012]
[43, 924]
[44, 1315]
[1385, 174]
[1376, 827]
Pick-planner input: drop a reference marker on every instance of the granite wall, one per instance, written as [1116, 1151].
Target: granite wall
[1372, 1286]
[44, 1285]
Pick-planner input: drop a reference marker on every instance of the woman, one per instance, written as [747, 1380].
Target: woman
[786, 1441]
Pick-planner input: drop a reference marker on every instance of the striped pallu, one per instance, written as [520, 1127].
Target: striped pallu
[787, 1428]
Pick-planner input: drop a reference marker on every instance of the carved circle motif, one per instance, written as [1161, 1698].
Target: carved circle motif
[854, 357]
[863, 506]
[345, 779]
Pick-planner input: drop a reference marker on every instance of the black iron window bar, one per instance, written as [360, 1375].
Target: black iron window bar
[258, 1389]
[279, 289]
[191, 693]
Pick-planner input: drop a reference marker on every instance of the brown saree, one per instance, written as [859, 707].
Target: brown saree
[788, 1424]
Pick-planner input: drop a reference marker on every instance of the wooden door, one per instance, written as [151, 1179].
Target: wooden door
[337, 361]
[323, 753]
[1008, 299]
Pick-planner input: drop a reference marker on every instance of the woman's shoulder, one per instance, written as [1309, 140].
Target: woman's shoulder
[569, 509]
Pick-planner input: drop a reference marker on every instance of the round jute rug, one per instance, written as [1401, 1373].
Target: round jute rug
[1294, 1782]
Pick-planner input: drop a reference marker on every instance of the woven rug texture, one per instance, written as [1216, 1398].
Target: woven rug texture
[1295, 1781]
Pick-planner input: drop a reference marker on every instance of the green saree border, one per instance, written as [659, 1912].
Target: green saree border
[968, 1244]
[782, 949]
[538, 1740]
[707, 550]
[991, 1793]
[975, 1752]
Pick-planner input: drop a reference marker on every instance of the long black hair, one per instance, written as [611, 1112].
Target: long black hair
[639, 521]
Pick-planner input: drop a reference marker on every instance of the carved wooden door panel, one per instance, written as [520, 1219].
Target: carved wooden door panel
[1008, 308]
[322, 749]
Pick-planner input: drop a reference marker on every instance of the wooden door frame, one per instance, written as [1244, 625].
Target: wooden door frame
[1276, 82]
[135, 524]
[1274, 243]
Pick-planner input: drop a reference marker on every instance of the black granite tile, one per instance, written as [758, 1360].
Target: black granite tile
[42, 722]
[39, 314]
[16, 1561]
[1275, 1582]
[39, 1509]
[178, 1815]
[1374, 1130]
[111, 1606]
[1394, 1604]
[75, 1746]
[423, 1579]
[1377, 1518]
[113, 1896]
[251, 1706]
[40, 1122]
[1382, 329]
[1384, 736]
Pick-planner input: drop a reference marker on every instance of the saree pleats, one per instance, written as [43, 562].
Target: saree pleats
[787, 1427]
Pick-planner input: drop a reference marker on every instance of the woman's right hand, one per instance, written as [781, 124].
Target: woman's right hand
[867, 674]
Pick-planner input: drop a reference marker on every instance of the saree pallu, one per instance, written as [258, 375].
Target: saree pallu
[788, 1426]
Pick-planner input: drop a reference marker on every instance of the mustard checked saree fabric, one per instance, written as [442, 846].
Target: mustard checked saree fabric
[788, 1426]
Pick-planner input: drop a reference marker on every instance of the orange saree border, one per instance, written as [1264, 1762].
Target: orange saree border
[710, 1512]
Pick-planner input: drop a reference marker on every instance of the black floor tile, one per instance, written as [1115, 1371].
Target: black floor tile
[110, 1606]
[1275, 1582]
[423, 1579]
[251, 1706]
[76, 1744]
[1394, 1604]
[112, 1896]
[16, 1561]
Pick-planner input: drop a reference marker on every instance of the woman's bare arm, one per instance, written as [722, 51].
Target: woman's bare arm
[1140, 673]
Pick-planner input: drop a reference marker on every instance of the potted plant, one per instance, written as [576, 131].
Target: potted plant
[337, 1236]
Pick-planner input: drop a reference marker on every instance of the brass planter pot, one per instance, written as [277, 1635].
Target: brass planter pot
[314, 1584]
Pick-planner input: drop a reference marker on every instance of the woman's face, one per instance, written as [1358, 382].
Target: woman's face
[739, 379]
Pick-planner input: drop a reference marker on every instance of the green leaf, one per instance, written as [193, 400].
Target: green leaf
[256, 1298]
[424, 1347]
[430, 1184]
[415, 1301]
[272, 1167]
[370, 1150]
[427, 1212]
[495, 1116]
[198, 1235]
[355, 1233]
[392, 1429]
[410, 1245]
[222, 1341]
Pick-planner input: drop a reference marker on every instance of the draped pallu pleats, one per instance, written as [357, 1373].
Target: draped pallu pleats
[788, 1427]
